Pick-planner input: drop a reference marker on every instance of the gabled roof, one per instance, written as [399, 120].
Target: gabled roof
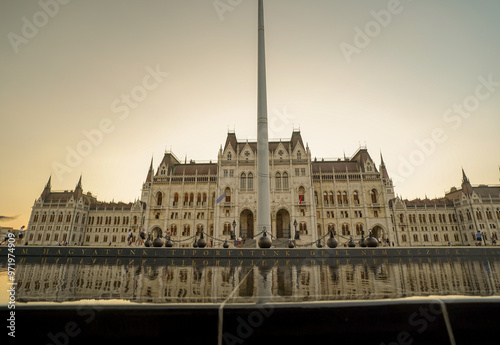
[231, 139]
[169, 160]
[361, 157]
[273, 145]
[296, 139]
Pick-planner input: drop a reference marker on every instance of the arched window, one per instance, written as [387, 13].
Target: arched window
[187, 230]
[488, 214]
[204, 198]
[278, 180]
[285, 180]
[331, 228]
[199, 229]
[316, 197]
[469, 216]
[479, 215]
[229, 156]
[176, 199]
[173, 229]
[198, 199]
[159, 198]
[345, 230]
[331, 197]
[227, 229]
[228, 194]
[359, 229]
[325, 198]
[303, 228]
[401, 218]
[250, 181]
[345, 200]
[60, 218]
[299, 155]
[191, 199]
[498, 213]
[319, 230]
[243, 181]
[186, 199]
[355, 198]
[339, 198]
[374, 196]
[52, 217]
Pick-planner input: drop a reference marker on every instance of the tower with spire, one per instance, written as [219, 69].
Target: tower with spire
[466, 185]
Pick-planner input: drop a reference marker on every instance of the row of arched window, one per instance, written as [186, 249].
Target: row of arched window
[343, 197]
[189, 199]
[246, 181]
[60, 218]
[345, 229]
[422, 218]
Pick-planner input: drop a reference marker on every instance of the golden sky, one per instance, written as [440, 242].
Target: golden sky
[418, 81]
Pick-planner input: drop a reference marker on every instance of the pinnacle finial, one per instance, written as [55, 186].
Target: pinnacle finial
[79, 184]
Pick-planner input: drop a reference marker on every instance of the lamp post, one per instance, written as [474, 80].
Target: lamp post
[297, 235]
[234, 231]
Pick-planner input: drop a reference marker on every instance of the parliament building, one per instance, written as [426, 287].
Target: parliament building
[349, 197]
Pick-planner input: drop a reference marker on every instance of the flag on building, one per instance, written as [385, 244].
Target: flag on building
[301, 197]
[221, 197]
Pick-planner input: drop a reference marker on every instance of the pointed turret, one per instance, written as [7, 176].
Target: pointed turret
[382, 168]
[46, 190]
[78, 190]
[466, 186]
[150, 172]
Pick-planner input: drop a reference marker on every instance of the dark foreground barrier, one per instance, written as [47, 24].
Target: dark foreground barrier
[416, 321]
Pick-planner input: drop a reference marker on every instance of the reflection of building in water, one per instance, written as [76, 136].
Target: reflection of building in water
[335, 280]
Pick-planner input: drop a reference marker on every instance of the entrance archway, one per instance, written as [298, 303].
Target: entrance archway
[283, 224]
[155, 232]
[378, 233]
[246, 224]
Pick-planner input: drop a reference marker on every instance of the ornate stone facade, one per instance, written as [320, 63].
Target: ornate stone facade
[348, 196]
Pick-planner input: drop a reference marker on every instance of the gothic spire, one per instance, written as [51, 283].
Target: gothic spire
[78, 190]
[150, 172]
[46, 190]
[466, 185]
